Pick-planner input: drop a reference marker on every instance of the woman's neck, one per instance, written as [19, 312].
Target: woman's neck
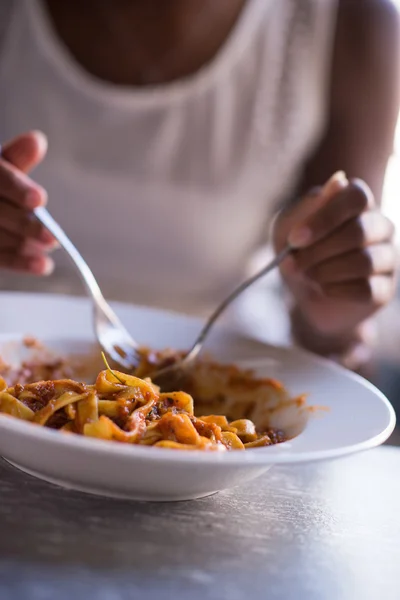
[143, 42]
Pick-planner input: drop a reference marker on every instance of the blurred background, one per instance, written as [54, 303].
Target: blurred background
[387, 351]
[392, 185]
[387, 370]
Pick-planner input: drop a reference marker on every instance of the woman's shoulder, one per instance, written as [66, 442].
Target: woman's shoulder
[367, 46]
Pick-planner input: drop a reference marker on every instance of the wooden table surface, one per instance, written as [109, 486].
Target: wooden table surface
[323, 531]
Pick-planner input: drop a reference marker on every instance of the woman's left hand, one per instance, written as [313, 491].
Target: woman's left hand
[343, 268]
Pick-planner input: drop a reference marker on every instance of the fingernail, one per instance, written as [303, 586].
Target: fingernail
[33, 199]
[337, 182]
[48, 266]
[46, 237]
[381, 289]
[53, 245]
[300, 237]
[41, 265]
[34, 247]
[339, 176]
[41, 140]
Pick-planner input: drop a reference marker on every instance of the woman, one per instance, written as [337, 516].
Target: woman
[177, 130]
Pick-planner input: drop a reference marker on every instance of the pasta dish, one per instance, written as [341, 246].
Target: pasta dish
[129, 409]
[220, 406]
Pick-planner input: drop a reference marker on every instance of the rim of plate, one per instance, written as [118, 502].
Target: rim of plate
[85, 301]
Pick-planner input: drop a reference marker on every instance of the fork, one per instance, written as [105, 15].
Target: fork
[112, 336]
[169, 376]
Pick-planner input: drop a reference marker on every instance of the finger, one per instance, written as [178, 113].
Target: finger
[344, 206]
[335, 184]
[36, 265]
[358, 264]
[299, 211]
[369, 228]
[23, 223]
[12, 243]
[377, 290]
[19, 188]
[26, 151]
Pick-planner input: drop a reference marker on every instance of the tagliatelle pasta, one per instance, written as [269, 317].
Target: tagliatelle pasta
[128, 409]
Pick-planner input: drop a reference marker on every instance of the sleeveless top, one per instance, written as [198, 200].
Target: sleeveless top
[167, 191]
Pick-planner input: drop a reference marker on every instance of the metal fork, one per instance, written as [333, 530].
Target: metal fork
[168, 377]
[111, 334]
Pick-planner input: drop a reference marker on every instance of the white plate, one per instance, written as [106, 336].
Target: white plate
[358, 417]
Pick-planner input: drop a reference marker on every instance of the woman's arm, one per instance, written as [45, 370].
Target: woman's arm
[364, 99]
[364, 103]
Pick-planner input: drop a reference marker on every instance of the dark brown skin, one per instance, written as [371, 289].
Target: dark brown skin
[344, 271]
[144, 42]
[352, 263]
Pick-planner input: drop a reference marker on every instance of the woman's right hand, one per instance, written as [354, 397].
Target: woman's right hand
[24, 242]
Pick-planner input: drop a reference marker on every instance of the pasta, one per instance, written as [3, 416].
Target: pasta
[129, 409]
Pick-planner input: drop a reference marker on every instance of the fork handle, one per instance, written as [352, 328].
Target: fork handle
[89, 280]
[43, 215]
[275, 262]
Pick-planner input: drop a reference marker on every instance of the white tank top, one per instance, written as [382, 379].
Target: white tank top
[168, 191]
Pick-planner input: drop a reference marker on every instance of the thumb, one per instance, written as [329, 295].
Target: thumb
[334, 185]
[26, 151]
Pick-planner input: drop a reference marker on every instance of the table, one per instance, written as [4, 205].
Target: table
[324, 531]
